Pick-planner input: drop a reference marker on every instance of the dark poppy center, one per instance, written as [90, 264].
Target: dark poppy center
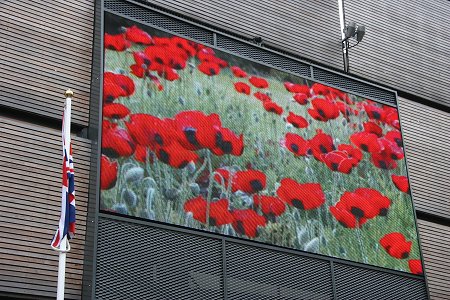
[309, 152]
[164, 156]
[298, 203]
[190, 134]
[270, 217]
[343, 224]
[364, 147]
[212, 221]
[272, 109]
[147, 61]
[159, 139]
[334, 166]
[399, 142]
[225, 146]
[405, 254]
[109, 99]
[323, 149]
[393, 156]
[256, 185]
[321, 113]
[240, 227]
[376, 115]
[383, 212]
[357, 212]
[159, 60]
[383, 164]
[294, 148]
[110, 152]
[212, 71]
[183, 164]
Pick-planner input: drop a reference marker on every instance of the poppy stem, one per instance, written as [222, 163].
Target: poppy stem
[210, 184]
[360, 243]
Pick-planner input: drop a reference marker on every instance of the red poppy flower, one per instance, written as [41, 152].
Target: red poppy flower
[249, 181]
[258, 82]
[137, 35]
[222, 177]
[301, 99]
[273, 107]
[141, 153]
[247, 221]
[116, 42]
[391, 150]
[339, 161]
[227, 142]
[297, 88]
[296, 144]
[345, 110]
[380, 202]
[238, 72]
[395, 136]
[401, 182]
[262, 97]
[205, 53]
[371, 127]
[396, 245]
[320, 89]
[391, 117]
[209, 68]
[175, 155]
[358, 205]
[242, 88]
[323, 110]
[115, 111]
[352, 152]
[108, 125]
[117, 142]
[148, 130]
[184, 44]
[297, 121]
[320, 144]
[270, 206]
[115, 86]
[141, 59]
[108, 174]
[383, 161]
[168, 73]
[415, 266]
[301, 195]
[218, 211]
[197, 129]
[346, 218]
[367, 141]
[374, 112]
[137, 70]
[177, 58]
[158, 56]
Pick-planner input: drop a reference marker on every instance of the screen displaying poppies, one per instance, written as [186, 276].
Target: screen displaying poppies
[200, 138]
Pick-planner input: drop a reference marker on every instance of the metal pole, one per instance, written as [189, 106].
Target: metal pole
[343, 44]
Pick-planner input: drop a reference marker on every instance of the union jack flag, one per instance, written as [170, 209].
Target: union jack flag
[67, 219]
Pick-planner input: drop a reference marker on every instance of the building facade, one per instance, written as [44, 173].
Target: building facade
[51, 47]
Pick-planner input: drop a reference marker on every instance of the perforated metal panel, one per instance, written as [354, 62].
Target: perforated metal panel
[362, 88]
[142, 262]
[159, 20]
[358, 283]
[255, 273]
[262, 55]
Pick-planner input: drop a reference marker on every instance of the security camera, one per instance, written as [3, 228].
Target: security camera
[258, 39]
[349, 30]
[360, 31]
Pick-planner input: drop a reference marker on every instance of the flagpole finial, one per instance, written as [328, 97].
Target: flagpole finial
[68, 93]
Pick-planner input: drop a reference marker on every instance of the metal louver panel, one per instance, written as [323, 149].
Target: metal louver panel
[262, 55]
[142, 262]
[255, 273]
[159, 20]
[353, 85]
[358, 283]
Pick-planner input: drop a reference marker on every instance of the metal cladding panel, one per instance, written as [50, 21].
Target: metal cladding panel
[426, 134]
[255, 273]
[46, 48]
[436, 248]
[143, 262]
[406, 45]
[358, 283]
[142, 14]
[309, 29]
[30, 201]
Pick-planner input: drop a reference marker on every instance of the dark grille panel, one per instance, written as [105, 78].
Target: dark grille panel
[358, 283]
[255, 273]
[142, 262]
[264, 56]
[362, 88]
[159, 20]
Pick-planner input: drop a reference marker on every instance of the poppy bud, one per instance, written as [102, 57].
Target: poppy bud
[134, 174]
[149, 182]
[302, 236]
[171, 193]
[120, 208]
[312, 246]
[191, 167]
[195, 188]
[129, 197]
[181, 100]
[150, 195]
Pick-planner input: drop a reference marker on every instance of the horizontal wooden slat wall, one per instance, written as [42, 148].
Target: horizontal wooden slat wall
[30, 197]
[426, 134]
[309, 28]
[46, 48]
[435, 241]
[406, 45]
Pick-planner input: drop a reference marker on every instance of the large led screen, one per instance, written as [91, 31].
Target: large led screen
[196, 137]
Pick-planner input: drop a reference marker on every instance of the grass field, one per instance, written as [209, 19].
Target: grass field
[157, 191]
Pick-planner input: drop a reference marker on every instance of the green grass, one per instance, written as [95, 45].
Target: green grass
[263, 132]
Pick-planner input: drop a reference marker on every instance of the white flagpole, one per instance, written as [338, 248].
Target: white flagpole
[63, 245]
